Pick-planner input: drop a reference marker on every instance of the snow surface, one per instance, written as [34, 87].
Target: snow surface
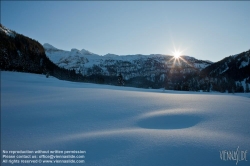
[224, 70]
[122, 125]
[244, 64]
[48, 46]
[8, 32]
[201, 65]
[243, 83]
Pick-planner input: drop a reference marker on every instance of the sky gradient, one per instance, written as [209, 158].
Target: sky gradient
[205, 30]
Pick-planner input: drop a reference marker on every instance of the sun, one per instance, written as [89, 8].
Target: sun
[177, 54]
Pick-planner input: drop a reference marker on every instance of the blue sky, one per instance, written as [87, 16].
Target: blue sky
[206, 30]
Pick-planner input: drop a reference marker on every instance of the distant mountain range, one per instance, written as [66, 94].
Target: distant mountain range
[149, 66]
[21, 53]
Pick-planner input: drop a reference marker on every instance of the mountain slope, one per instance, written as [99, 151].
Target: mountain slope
[236, 67]
[21, 53]
[231, 74]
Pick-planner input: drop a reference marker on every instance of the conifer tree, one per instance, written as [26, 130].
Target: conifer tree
[120, 80]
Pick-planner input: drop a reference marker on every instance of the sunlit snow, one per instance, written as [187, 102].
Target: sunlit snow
[122, 125]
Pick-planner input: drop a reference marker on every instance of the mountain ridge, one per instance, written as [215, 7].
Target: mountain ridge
[20, 53]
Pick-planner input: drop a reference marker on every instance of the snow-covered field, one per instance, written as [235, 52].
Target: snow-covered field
[122, 125]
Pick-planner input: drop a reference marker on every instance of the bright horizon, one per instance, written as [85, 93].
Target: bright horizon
[204, 30]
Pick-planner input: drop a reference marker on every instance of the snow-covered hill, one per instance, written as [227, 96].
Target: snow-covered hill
[234, 69]
[237, 61]
[130, 66]
[122, 125]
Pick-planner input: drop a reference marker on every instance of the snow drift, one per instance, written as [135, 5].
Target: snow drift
[121, 125]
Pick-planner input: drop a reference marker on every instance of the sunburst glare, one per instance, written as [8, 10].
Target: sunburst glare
[177, 54]
[177, 60]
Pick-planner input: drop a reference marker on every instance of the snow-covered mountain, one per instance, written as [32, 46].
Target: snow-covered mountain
[149, 66]
[21, 53]
[235, 66]
[229, 64]
[231, 73]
